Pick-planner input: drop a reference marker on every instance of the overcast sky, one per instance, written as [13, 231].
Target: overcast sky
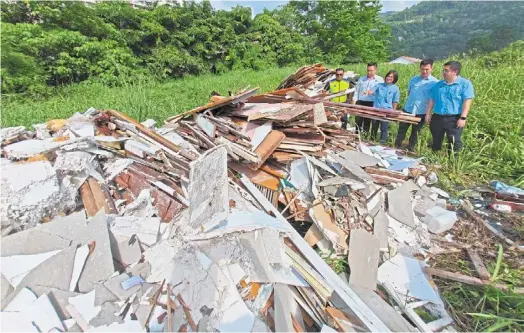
[259, 5]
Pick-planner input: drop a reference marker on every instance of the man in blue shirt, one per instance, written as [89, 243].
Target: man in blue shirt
[364, 94]
[419, 89]
[450, 101]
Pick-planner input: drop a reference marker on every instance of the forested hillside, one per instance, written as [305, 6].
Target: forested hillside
[438, 29]
[53, 43]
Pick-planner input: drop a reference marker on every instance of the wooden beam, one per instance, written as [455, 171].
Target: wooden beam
[469, 279]
[479, 265]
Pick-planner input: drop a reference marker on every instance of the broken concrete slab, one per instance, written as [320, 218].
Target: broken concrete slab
[99, 265]
[30, 192]
[114, 285]
[102, 294]
[32, 241]
[208, 189]
[106, 316]
[400, 207]
[439, 219]
[360, 159]
[380, 229]
[127, 251]
[411, 186]
[352, 170]
[363, 258]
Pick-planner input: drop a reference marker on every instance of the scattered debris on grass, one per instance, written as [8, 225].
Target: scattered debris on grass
[226, 218]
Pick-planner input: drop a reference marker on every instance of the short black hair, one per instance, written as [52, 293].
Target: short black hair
[395, 76]
[455, 65]
[425, 62]
[339, 69]
[372, 64]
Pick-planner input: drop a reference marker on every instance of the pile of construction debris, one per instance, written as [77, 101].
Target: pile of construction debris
[215, 221]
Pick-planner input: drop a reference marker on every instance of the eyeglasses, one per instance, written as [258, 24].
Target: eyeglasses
[339, 74]
[446, 71]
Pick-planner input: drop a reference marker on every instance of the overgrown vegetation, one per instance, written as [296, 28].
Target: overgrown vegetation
[52, 43]
[438, 29]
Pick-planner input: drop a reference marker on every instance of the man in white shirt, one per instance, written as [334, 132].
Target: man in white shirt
[364, 94]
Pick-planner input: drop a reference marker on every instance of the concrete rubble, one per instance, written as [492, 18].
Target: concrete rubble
[216, 221]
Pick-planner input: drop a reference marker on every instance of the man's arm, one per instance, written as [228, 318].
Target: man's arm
[466, 105]
[467, 95]
[431, 103]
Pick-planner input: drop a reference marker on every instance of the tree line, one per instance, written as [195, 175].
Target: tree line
[46, 44]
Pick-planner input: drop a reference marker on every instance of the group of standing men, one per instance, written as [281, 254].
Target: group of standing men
[449, 100]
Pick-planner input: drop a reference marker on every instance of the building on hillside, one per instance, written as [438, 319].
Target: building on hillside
[405, 60]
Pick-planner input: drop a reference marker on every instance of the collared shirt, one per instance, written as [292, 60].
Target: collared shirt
[363, 85]
[450, 97]
[385, 95]
[335, 86]
[419, 93]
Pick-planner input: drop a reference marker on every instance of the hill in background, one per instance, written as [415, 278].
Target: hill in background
[438, 29]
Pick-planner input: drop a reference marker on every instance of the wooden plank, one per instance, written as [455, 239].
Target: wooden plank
[469, 279]
[225, 100]
[163, 142]
[364, 249]
[88, 199]
[258, 177]
[102, 196]
[479, 265]
[384, 172]
[267, 147]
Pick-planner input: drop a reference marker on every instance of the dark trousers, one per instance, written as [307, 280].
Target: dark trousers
[415, 129]
[363, 123]
[441, 126]
[384, 127]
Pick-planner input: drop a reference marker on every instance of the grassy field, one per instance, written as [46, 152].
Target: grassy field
[494, 148]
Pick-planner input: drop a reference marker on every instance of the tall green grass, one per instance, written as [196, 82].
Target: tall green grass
[494, 148]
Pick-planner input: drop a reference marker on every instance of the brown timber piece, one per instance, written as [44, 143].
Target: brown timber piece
[469, 279]
[88, 199]
[187, 312]
[267, 147]
[479, 265]
[215, 104]
[153, 135]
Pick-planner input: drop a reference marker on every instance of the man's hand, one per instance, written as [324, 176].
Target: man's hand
[461, 123]
[428, 118]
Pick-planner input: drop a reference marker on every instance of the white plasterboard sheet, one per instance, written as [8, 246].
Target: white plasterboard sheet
[406, 276]
[15, 268]
[260, 134]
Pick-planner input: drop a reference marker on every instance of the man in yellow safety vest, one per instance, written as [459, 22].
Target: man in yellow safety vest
[339, 84]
